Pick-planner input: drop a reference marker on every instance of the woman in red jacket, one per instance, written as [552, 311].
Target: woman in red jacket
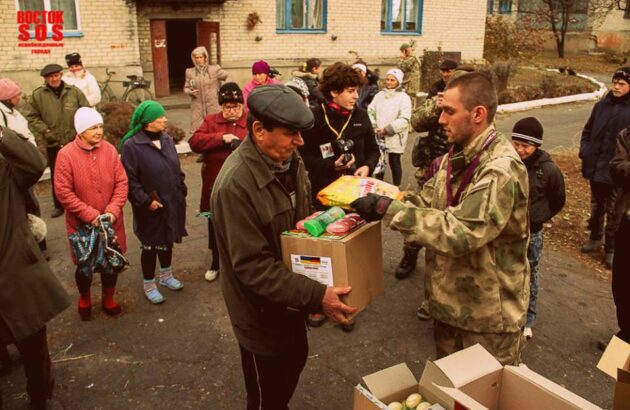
[90, 181]
[216, 138]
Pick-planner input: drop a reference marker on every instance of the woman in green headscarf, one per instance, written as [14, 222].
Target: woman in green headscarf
[157, 194]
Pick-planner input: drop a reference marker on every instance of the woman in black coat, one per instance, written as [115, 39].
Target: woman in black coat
[157, 194]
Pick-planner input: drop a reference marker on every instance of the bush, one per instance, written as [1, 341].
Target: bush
[505, 39]
[430, 68]
[503, 71]
[117, 116]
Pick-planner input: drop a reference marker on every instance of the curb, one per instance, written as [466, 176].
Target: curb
[527, 105]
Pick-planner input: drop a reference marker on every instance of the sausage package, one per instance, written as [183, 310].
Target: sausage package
[343, 191]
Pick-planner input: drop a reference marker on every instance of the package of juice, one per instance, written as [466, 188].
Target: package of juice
[347, 188]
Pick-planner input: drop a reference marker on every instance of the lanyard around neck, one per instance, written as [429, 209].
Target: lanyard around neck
[454, 200]
[337, 133]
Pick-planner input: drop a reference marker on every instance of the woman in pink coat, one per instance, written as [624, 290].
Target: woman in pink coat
[260, 76]
[90, 181]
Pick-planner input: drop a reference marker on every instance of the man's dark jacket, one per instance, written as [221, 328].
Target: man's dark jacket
[30, 294]
[597, 146]
[546, 189]
[267, 303]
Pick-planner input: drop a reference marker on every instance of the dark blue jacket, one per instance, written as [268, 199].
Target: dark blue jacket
[598, 142]
[152, 172]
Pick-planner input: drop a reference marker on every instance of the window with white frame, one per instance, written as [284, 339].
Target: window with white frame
[70, 10]
[301, 15]
[401, 16]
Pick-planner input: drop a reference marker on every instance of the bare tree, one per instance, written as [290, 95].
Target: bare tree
[555, 14]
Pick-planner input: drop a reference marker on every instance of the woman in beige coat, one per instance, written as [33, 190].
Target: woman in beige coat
[202, 85]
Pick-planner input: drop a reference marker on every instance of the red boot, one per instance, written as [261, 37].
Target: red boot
[109, 306]
[85, 305]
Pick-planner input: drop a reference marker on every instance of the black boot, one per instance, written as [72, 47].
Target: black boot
[409, 260]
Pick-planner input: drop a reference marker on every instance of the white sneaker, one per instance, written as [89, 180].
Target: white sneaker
[211, 275]
[527, 332]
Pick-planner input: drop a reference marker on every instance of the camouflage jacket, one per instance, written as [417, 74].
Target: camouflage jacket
[425, 118]
[476, 251]
[410, 66]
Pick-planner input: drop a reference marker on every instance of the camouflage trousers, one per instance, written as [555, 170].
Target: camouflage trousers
[505, 347]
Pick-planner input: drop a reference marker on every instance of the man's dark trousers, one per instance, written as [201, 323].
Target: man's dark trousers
[271, 380]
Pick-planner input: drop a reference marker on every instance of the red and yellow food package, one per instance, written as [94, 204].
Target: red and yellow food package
[347, 188]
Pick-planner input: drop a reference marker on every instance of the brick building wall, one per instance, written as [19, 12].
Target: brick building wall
[109, 39]
[453, 25]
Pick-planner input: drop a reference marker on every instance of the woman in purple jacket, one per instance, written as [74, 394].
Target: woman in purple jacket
[157, 194]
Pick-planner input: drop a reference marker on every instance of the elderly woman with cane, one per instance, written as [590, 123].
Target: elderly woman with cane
[157, 194]
[91, 184]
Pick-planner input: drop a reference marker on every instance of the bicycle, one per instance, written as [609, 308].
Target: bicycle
[136, 89]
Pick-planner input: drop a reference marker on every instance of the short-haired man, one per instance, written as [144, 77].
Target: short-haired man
[447, 67]
[597, 148]
[472, 219]
[261, 191]
[50, 115]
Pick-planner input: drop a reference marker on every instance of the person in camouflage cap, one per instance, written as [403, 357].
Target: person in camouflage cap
[410, 66]
[472, 219]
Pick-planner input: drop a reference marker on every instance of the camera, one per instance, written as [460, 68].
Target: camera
[346, 146]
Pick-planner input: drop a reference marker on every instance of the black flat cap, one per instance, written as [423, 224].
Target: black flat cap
[448, 65]
[50, 69]
[281, 105]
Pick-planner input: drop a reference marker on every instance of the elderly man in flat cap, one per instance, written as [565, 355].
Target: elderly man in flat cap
[50, 115]
[261, 191]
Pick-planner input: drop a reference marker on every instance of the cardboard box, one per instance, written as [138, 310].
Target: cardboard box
[469, 379]
[355, 260]
[616, 363]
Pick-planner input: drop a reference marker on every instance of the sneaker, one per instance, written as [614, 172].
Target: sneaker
[153, 294]
[423, 311]
[602, 345]
[170, 282]
[591, 245]
[56, 213]
[527, 332]
[316, 319]
[211, 274]
[608, 259]
[408, 262]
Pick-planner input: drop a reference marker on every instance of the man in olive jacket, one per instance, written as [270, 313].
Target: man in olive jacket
[50, 115]
[261, 191]
[30, 294]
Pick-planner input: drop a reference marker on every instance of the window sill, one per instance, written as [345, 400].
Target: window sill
[66, 34]
[401, 33]
[298, 31]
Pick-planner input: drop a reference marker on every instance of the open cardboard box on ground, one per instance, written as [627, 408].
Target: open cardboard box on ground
[616, 363]
[469, 379]
[355, 260]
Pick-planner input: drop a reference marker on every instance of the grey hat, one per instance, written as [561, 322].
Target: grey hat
[50, 69]
[279, 104]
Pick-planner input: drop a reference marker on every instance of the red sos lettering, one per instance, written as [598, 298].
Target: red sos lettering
[40, 32]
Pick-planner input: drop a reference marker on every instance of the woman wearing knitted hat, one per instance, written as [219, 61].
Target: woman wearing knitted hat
[216, 138]
[90, 182]
[389, 113]
[202, 84]
[157, 194]
[260, 76]
[79, 76]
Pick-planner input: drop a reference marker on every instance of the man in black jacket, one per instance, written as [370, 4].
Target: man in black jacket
[546, 198]
[597, 147]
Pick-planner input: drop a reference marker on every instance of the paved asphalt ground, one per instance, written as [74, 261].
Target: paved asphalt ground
[183, 355]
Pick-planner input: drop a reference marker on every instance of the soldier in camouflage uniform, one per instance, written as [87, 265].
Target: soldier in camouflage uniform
[410, 66]
[472, 219]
